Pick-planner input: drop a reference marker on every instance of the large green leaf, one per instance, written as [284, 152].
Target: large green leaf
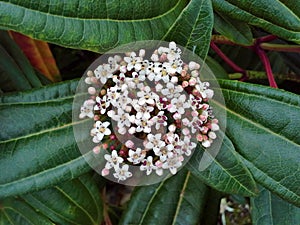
[263, 124]
[236, 31]
[19, 69]
[73, 202]
[96, 26]
[51, 92]
[271, 10]
[177, 200]
[46, 153]
[16, 211]
[192, 29]
[263, 15]
[268, 209]
[226, 171]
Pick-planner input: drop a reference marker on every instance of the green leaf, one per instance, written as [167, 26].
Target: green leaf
[268, 209]
[21, 61]
[50, 92]
[263, 125]
[73, 202]
[216, 68]
[192, 28]
[16, 211]
[291, 4]
[46, 156]
[177, 200]
[12, 78]
[225, 172]
[285, 26]
[234, 30]
[270, 10]
[97, 26]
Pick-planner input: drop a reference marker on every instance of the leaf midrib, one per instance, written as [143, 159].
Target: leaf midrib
[43, 131]
[181, 196]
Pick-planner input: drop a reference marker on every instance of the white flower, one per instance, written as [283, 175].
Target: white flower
[101, 104]
[87, 109]
[225, 207]
[143, 111]
[122, 118]
[122, 173]
[195, 102]
[162, 103]
[154, 142]
[113, 95]
[179, 105]
[202, 87]
[123, 101]
[173, 52]
[171, 90]
[137, 77]
[175, 67]
[147, 96]
[196, 124]
[133, 62]
[163, 153]
[113, 160]
[136, 156]
[103, 72]
[187, 146]
[173, 164]
[160, 120]
[148, 165]
[162, 72]
[100, 130]
[143, 125]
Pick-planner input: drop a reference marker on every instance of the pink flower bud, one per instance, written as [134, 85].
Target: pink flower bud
[91, 90]
[192, 81]
[96, 150]
[194, 113]
[129, 144]
[105, 146]
[163, 57]
[90, 73]
[94, 80]
[193, 65]
[185, 84]
[104, 172]
[199, 137]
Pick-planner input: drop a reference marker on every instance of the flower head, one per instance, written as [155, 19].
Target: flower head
[159, 106]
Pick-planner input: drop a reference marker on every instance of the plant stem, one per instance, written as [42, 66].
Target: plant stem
[261, 75]
[265, 60]
[229, 62]
[280, 47]
[220, 39]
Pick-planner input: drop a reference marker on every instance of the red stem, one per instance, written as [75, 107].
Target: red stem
[265, 60]
[229, 62]
[267, 38]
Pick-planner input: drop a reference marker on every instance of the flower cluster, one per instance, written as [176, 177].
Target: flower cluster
[156, 106]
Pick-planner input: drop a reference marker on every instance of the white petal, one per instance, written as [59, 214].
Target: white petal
[107, 131]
